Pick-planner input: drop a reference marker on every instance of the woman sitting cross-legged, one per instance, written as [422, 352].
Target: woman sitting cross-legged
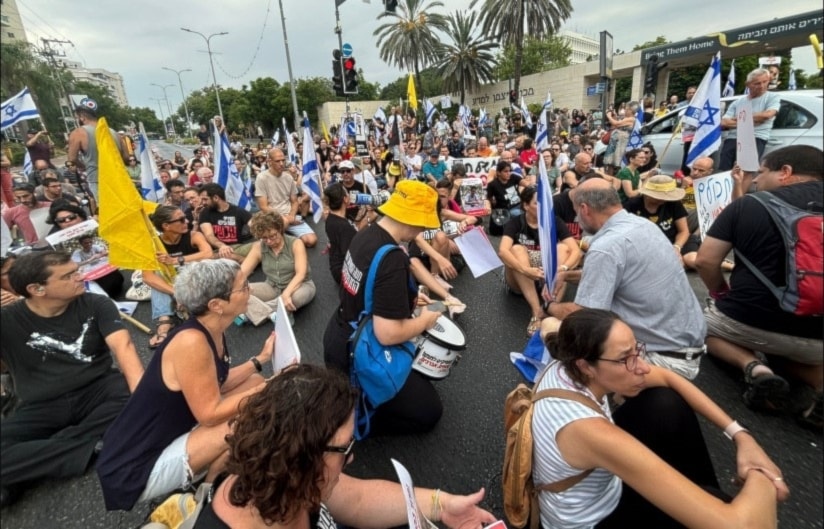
[288, 450]
[173, 428]
[285, 265]
[652, 443]
[182, 247]
[520, 250]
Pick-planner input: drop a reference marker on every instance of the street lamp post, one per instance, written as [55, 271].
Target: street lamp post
[162, 117]
[183, 95]
[211, 64]
[168, 106]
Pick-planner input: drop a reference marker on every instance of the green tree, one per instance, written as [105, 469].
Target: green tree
[148, 117]
[505, 20]
[539, 55]
[659, 41]
[467, 61]
[430, 83]
[407, 40]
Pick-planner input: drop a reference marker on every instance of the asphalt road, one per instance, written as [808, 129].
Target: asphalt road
[465, 451]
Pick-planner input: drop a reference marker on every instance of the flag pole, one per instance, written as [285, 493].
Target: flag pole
[666, 148]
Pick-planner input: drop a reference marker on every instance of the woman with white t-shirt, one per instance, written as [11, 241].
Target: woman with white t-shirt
[652, 443]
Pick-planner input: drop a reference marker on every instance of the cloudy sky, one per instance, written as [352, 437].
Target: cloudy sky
[136, 39]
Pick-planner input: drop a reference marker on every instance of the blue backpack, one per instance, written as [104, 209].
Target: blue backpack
[378, 370]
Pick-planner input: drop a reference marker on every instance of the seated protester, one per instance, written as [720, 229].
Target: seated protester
[411, 209]
[339, 230]
[52, 190]
[630, 176]
[520, 250]
[660, 202]
[508, 156]
[173, 429]
[182, 247]
[580, 170]
[456, 175]
[225, 226]
[193, 179]
[7, 292]
[502, 193]
[652, 160]
[58, 344]
[484, 150]
[552, 172]
[628, 264]
[133, 168]
[456, 145]
[450, 210]
[434, 169]
[316, 429]
[204, 176]
[745, 316]
[288, 276]
[528, 156]
[354, 213]
[304, 201]
[28, 216]
[655, 432]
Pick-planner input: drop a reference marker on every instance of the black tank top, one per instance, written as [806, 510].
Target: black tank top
[183, 247]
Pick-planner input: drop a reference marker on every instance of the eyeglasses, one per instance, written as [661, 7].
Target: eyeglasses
[345, 450]
[67, 218]
[245, 288]
[630, 361]
[270, 238]
[181, 220]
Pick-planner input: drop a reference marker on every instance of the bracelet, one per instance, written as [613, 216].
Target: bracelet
[564, 268]
[677, 246]
[734, 428]
[256, 363]
[436, 505]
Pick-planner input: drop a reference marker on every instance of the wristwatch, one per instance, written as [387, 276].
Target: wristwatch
[734, 428]
[181, 260]
[256, 363]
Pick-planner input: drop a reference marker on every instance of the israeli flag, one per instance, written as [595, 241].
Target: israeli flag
[481, 117]
[792, 84]
[28, 166]
[729, 88]
[19, 108]
[466, 114]
[525, 113]
[636, 141]
[276, 137]
[291, 150]
[546, 226]
[380, 114]
[542, 136]
[704, 113]
[151, 188]
[311, 173]
[430, 111]
[227, 177]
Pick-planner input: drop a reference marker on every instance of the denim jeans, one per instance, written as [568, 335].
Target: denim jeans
[161, 304]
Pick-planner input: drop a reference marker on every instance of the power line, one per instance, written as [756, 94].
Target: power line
[257, 49]
[54, 30]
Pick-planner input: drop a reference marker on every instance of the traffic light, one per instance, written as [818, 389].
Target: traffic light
[350, 76]
[390, 6]
[337, 73]
[651, 74]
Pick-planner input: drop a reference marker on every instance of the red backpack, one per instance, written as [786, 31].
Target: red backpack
[803, 235]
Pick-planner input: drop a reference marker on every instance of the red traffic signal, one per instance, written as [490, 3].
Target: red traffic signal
[349, 64]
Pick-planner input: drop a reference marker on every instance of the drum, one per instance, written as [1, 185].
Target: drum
[438, 348]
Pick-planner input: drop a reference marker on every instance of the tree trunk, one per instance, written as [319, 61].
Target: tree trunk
[519, 50]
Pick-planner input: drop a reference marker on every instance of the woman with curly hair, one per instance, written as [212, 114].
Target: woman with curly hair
[287, 452]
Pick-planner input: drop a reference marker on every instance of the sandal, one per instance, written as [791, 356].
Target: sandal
[767, 392]
[160, 336]
[534, 325]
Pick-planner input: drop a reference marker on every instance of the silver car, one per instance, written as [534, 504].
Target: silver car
[799, 121]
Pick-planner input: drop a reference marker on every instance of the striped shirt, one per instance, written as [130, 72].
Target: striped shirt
[593, 498]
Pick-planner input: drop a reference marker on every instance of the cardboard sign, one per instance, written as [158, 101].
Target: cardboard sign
[712, 194]
[477, 167]
[747, 152]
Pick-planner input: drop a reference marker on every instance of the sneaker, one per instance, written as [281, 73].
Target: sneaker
[767, 392]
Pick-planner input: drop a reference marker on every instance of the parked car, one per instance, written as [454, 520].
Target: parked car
[799, 121]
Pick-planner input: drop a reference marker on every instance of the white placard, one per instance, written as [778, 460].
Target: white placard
[286, 347]
[747, 153]
[413, 513]
[712, 194]
[478, 252]
[72, 232]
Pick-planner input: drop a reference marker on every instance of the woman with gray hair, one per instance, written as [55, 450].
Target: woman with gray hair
[173, 429]
[621, 129]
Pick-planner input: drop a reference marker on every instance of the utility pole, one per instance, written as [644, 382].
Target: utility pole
[49, 54]
[162, 117]
[183, 95]
[168, 106]
[289, 67]
[339, 31]
[212, 63]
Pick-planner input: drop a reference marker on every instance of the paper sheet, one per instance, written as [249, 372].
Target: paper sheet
[286, 347]
[478, 252]
[413, 513]
[747, 155]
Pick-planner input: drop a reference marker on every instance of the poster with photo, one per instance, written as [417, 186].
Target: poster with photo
[85, 246]
[472, 196]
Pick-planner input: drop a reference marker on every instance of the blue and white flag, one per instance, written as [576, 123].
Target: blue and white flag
[430, 111]
[28, 166]
[729, 88]
[466, 114]
[311, 173]
[704, 113]
[542, 135]
[792, 84]
[525, 113]
[481, 118]
[151, 188]
[380, 114]
[276, 137]
[291, 150]
[636, 141]
[226, 175]
[19, 108]
[546, 226]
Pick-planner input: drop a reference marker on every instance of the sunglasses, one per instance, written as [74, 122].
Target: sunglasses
[181, 220]
[67, 218]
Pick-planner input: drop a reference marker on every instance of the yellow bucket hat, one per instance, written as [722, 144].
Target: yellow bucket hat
[413, 203]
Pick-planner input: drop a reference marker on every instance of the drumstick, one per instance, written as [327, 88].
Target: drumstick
[137, 323]
[448, 303]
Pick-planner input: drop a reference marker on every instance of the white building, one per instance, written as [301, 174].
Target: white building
[11, 25]
[583, 47]
[113, 82]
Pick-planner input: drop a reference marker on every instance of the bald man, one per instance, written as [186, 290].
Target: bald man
[630, 269]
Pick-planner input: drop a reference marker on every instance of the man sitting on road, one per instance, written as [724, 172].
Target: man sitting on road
[29, 215]
[628, 266]
[59, 358]
[275, 190]
[745, 318]
[225, 226]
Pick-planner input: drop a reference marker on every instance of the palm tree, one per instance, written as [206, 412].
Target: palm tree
[506, 19]
[407, 39]
[468, 61]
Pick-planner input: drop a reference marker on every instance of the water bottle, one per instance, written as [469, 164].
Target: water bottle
[241, 319]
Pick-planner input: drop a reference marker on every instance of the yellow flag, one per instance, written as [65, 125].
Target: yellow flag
[325, 131]
[124, 222]
[411, 94]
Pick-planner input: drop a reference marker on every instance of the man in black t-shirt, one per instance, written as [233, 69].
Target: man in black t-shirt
[745, 316]
[59, 358]
[347, 178]
[225, 226]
